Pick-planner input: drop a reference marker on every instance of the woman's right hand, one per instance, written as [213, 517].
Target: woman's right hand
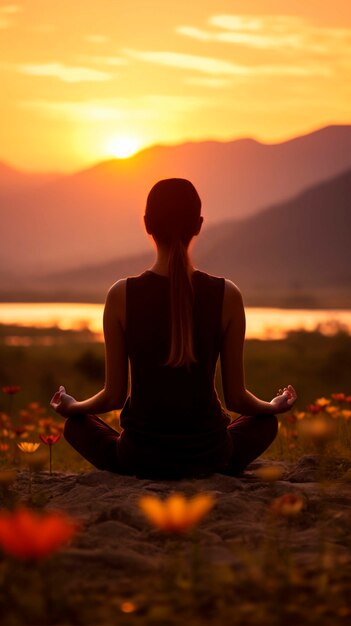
[284, 399]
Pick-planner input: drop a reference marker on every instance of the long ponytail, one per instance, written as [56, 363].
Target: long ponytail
[181, 305]
[172, 216]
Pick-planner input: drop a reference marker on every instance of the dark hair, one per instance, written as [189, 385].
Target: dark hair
[172, 215]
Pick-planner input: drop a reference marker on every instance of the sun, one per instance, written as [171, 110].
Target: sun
[122, 147]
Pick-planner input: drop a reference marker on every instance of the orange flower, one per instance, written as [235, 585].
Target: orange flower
[317, 429]
[333, 410]
[322, 402]
[4, 419]
[176, 514]
[288, 505]
[11, 389]
[28, 447]
[128, 607]
[346, 414]
[26, 535]
[269, 473]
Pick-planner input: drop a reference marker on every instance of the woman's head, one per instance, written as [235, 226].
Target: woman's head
[173, 210]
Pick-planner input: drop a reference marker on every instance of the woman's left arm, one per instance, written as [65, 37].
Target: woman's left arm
[114, 393]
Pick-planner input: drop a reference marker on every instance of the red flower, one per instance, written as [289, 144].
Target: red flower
[49, 440]
[348, 399]
[26, 535]
[11, 389]
[339, 397]
[313, 408]
[18, 430]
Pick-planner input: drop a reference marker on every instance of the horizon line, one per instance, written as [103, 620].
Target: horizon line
[151, 146]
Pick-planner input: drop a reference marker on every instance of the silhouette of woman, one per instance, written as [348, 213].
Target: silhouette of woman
[171, 323]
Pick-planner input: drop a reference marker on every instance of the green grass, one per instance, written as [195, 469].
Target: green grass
[314, 364]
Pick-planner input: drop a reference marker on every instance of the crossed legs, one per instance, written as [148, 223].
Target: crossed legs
[97, 442]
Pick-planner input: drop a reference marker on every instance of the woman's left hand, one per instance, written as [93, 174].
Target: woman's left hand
[284, 399]
[61, 402]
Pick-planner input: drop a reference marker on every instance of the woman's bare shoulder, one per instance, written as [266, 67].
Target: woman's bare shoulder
[232, 303]
[118, 289]
[232, 292]
[116, 299]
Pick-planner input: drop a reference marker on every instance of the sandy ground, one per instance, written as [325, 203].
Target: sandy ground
[119, 554]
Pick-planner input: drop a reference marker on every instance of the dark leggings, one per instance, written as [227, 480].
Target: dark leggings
[98, 442]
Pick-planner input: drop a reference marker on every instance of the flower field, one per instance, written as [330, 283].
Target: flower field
[286, 564]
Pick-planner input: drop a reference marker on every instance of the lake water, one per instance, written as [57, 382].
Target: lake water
[262, 323]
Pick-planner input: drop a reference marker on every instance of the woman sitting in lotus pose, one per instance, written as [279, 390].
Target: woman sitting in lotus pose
[171, 323]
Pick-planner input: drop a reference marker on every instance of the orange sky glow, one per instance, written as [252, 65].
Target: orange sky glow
[81, 81]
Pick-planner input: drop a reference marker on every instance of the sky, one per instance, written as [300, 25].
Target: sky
[86, 80]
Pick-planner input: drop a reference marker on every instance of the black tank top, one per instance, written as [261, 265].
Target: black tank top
[173, 420]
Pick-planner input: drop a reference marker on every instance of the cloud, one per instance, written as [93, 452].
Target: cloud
[269, 32]
[106, 60]
[211, 82]
[220, 67]
[93, 111]
[147, 107]
[10, 9]
[65, 73]
[6, 13]
[96, 39]
[207, 65]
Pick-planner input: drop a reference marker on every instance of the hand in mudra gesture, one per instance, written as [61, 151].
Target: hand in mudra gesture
[61, 402]
[284, 399]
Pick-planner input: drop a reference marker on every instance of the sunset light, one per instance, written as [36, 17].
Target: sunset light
[122, 147]
[218, 71]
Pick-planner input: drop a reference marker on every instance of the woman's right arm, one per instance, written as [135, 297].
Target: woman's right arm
[237, 397]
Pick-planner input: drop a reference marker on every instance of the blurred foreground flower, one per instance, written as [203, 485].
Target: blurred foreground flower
[269, 473]
[176, 514]
[288, 505]
[49, 440]
[25, 446]
[26, 535]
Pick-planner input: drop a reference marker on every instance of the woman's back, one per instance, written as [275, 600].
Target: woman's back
[167, 404]
[171, 323]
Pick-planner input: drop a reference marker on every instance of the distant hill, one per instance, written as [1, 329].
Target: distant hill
[96, 214]
[292, 253]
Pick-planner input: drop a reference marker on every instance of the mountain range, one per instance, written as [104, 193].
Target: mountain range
[51, 223]
[293, 253]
